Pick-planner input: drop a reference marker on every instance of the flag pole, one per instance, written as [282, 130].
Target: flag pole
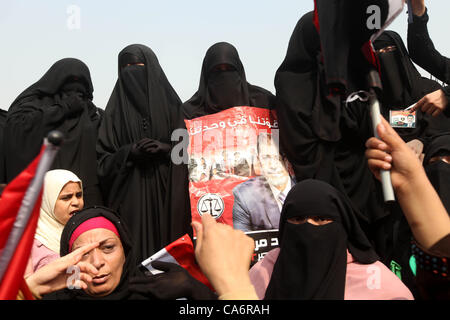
[52, 144]
[374, 85]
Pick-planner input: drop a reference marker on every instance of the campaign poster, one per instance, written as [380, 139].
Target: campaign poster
[236, 172]
[265, 241]
[402, 119]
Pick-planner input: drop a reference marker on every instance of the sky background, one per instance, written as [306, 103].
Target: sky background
[35, 34]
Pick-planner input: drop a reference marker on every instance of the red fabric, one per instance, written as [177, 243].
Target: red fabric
[26, 291]
[94, 223]
[369, 54]
[9, 206]
[316, 17]
[182, 250]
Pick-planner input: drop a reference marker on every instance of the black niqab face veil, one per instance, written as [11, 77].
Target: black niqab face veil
[224, 88]
[219, 89]
[397, 75]
[142, 91]
[313, 259]
[75, 86]
[403, 86]
[134, 80]
[438, 172]
[62, 73]
[402, 83]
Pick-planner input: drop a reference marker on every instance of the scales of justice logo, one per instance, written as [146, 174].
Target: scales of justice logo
[211, 203]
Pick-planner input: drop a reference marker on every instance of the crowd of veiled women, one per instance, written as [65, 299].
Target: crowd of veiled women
[116, 161]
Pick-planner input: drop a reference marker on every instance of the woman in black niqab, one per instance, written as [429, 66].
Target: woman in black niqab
[312, 262]
[223, 85]
[324, 138]
[403, 86]
[60, 100]
[437, 166]
[136, 173]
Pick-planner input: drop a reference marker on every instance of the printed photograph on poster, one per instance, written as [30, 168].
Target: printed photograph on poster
[236, 171]
[402, 119]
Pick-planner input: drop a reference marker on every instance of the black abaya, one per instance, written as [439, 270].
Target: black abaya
[343, 29]
[324, 139]
[424, 53]
[220, 90]
[60, 100]
[149, 192]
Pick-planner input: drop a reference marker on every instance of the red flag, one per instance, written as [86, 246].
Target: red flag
[181, 252]
[10, 203]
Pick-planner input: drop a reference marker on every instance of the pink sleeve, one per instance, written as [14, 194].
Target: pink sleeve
[261, 272]
[45, 260]
[374, 282]
[363, 281]
[41, 255]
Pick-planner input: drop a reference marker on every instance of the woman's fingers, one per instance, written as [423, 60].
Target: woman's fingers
[378, 155]
[376, 165]
[436, 112]
[375, 143]
[80, 284]
[389, 136]
[84, 277]
[87, 267]
[75, 256]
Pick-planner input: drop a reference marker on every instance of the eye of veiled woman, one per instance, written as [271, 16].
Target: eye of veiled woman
[297, 220]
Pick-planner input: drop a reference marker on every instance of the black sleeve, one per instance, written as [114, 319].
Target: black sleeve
[24, 132]
[113, 165]
[447, 92]
[423, 52]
